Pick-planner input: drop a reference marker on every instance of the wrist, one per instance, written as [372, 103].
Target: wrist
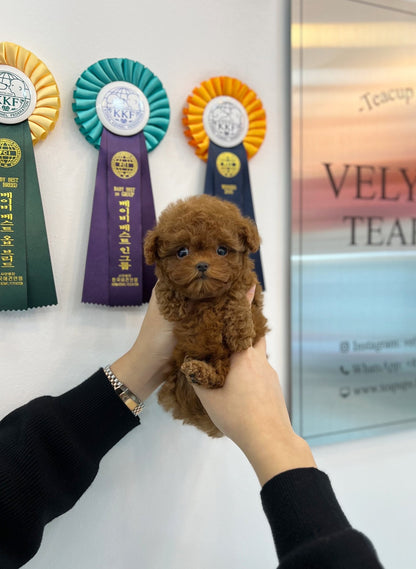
[139, 372]
[133, 403]
[129, 372]
[274, 455]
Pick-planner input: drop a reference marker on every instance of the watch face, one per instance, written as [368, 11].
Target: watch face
[122, 108]
[17, 95]
[225, 121]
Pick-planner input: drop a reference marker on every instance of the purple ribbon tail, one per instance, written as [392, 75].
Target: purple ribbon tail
[96, 288]
[123, 211]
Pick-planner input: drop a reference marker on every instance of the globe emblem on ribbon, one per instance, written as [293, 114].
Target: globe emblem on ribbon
[225, 121]
[10, 153]
[122, 108]
[124, 165]
[17, 96]
[228, 164]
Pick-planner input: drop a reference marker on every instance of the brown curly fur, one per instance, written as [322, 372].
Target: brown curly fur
[209, 308]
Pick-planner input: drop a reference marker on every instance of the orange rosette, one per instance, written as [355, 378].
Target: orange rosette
[230, 87]
[46, 112]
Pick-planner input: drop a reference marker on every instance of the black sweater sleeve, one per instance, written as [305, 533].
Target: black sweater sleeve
[50, 450]
[309, 527]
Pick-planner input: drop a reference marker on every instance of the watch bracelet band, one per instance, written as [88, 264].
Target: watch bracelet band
[135, 404]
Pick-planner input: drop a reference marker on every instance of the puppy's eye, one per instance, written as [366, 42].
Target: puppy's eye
[222, 251]
[182, 252]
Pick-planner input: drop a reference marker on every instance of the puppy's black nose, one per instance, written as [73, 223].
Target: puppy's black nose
[202, 267]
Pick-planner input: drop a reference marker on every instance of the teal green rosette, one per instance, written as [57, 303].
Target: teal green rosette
[122, 109]
[107, 71]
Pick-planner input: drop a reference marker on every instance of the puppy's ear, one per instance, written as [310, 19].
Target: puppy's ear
[249, 235]
[150, 247]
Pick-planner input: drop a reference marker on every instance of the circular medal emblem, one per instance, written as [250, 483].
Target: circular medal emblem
[10, 153]
[122, 108]
[124, 165]
[228, 164]
[17, 95]
[225, 121]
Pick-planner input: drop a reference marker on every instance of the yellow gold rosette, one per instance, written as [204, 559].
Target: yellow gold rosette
[29, 109]
[217, 87]
[46, 112]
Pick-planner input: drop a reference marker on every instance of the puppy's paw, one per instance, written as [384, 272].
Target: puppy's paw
[200, 373]
[190, 370]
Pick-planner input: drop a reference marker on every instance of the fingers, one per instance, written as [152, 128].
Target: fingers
[197, 389]
[153, 306]
[250, 294]
[153, 298]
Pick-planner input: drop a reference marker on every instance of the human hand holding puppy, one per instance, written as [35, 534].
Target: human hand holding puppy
[250, 409]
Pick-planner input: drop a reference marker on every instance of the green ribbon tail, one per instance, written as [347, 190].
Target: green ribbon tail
[26, 277]
[41, 285]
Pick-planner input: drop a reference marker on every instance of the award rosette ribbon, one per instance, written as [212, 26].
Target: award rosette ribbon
[29, 109]
[226, 123]
[122, 109]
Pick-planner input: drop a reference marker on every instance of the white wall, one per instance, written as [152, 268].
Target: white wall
[167, 496]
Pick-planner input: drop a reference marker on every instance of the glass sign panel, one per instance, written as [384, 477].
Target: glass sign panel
[353, 257]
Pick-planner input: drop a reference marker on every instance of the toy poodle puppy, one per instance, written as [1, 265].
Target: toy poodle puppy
[201, 248]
